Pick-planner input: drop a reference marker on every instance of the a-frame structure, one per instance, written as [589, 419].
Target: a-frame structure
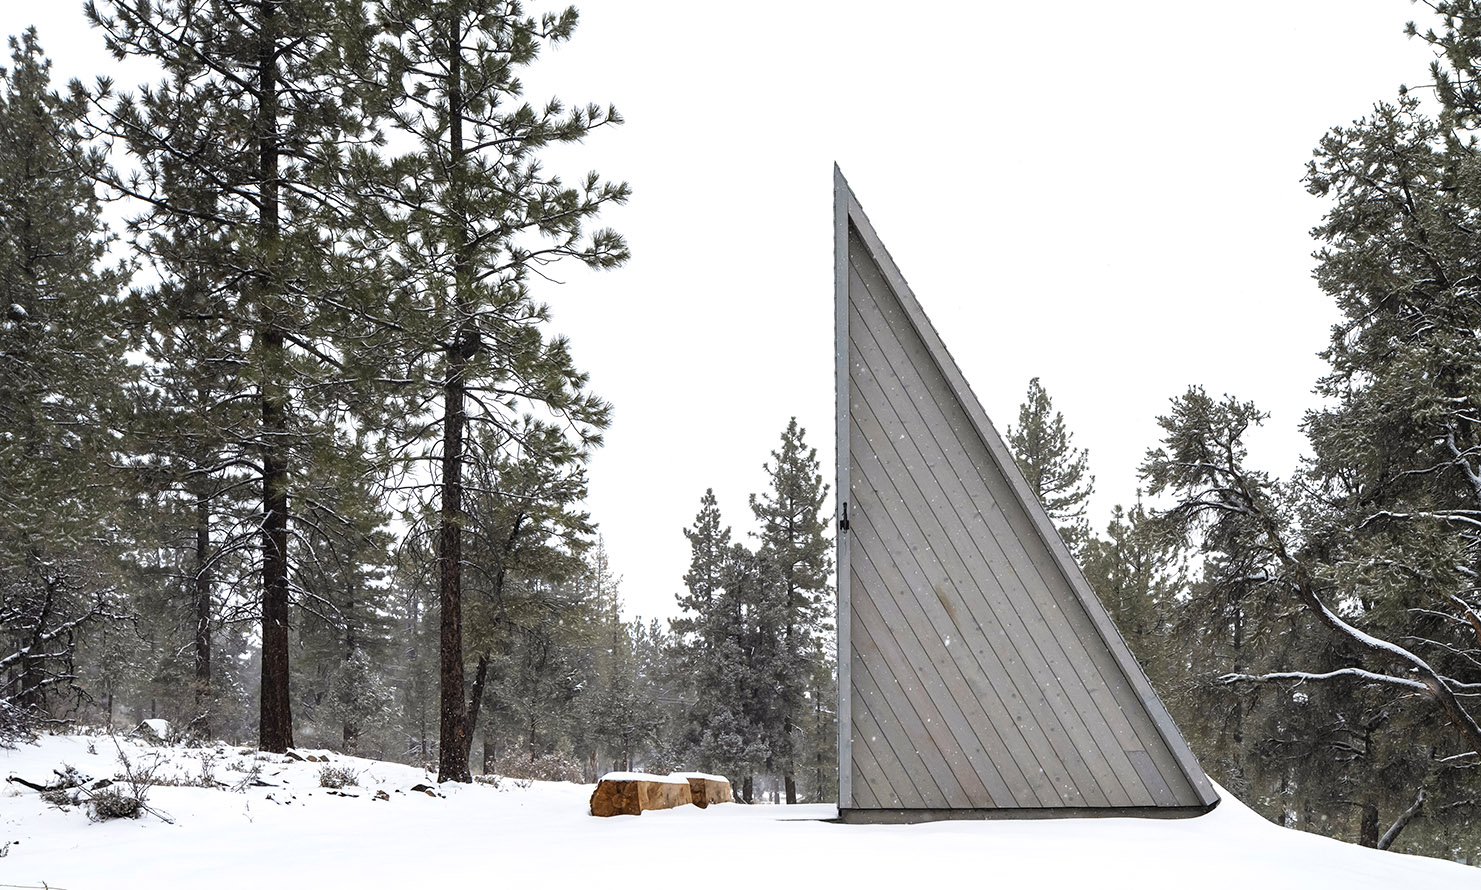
[978, 674]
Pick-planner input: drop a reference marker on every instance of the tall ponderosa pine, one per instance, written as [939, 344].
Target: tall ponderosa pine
[252, 109]
[1397, 448]
[461, 221]
[1058, 472]
[794, 539]
[63, 371]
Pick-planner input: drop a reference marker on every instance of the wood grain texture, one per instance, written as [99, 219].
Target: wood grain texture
[978, 673]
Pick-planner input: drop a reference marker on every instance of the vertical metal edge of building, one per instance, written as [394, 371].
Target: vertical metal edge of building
[841, 199]
[978, 675]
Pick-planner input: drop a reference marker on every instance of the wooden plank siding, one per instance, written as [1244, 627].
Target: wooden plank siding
[978, 674]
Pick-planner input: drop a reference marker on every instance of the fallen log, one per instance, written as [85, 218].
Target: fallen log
[65, 783]
[629, 794]
[32, 785]
[705, 789]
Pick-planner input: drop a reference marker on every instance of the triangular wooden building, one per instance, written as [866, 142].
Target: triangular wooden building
[979, 676]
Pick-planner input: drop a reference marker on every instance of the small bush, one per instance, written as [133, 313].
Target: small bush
[501, 783]
[251, 773]
[337, 777]
[60, 797]
[129, 794]
[111, 803]
[208, 770]
[546, 768]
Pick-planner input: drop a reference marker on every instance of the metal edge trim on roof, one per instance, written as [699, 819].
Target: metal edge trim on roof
[842, 198]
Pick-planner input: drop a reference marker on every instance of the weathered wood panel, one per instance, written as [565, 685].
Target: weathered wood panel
[1082, 741]
[977, 671]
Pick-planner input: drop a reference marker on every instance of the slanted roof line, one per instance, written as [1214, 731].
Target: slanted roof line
[1046, 592]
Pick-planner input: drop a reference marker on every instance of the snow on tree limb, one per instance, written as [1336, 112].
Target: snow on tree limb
[1303, 676]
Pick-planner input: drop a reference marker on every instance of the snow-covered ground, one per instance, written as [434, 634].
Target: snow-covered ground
[290, 832]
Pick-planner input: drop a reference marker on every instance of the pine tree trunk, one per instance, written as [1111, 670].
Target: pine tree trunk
[1368, 830]
[789, 777]
[276, 721]
[452, 765]
[201, 593]
[475, 697]
[351, 727]
[746, 788]
[453, 749]
[276, 728]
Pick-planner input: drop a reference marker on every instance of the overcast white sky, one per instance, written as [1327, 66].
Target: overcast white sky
[1103, 195]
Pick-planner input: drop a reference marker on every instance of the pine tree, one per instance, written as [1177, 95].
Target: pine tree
[623, 707]
[794, 539]
[727, 637]
[62, 363]
[1137, 572]
[1302, 607]
[190, 439]
[253, 108]
[739, 711]
[1058, 472]
[709, 545]
[344, 604]
[528, 533]
[1396, 464]
[459, 222]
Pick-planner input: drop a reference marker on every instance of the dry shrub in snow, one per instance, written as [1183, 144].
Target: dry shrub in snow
[498, 782]
[337, 777]
[546, 768]
[111, 803]
[60, 797]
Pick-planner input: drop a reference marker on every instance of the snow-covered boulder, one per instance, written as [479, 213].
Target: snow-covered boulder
[154, 730]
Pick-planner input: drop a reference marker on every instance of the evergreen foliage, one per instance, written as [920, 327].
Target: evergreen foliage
[320, 312]
[1058, 472]
[754, 637]
[341, 584]
[794, 539]
[458, 222]
[1286, 606]
[63, 373]
[232, 144]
